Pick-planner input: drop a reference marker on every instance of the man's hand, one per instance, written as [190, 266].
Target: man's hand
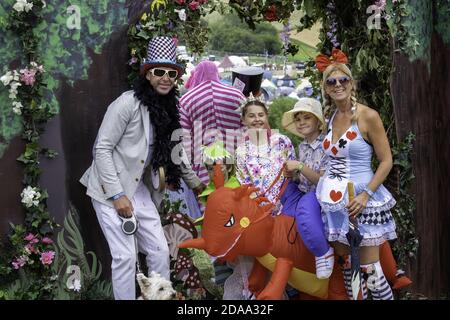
[123, 207]
[199, 189]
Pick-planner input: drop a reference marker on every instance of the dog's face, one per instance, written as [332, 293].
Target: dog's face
[155, 287]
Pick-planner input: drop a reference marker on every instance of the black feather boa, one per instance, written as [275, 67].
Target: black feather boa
[165, 118]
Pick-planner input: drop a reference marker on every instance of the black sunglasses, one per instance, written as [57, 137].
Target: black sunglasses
[342, 80]
[162, 72]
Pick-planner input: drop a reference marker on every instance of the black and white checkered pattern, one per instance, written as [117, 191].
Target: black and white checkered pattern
[375, 218]
[161, 50]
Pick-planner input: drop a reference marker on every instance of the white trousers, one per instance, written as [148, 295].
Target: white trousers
[150, 238]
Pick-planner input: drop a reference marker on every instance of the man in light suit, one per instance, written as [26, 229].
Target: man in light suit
[132, 159]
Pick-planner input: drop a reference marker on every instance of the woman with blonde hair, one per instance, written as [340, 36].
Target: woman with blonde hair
[355, 131]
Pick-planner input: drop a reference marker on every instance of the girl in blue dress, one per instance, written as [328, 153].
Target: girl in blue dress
[355, 132]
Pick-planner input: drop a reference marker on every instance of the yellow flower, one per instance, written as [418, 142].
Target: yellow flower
[158, 3]
[144, 17]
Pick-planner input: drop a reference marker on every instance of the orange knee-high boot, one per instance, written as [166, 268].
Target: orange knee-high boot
[389, 266]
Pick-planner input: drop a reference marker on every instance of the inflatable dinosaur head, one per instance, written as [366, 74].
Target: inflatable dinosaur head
[235, 222]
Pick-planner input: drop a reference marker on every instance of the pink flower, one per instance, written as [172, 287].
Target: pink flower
[180, 2]
[47, 257]
[19, 262]
[47, 240]
[30, 248]
[193, 5]
[29, 237]
[202, 1]
[28, 76]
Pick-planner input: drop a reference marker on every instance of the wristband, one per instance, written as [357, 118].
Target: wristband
[117, 196]
[300, 166]
[368, 191]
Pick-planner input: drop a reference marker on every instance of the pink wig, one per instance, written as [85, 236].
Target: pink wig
[204, 71]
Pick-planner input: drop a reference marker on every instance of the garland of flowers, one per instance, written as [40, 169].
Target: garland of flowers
[173, 18]
[31, 244]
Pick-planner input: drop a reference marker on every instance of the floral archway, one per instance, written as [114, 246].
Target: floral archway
[32, 249]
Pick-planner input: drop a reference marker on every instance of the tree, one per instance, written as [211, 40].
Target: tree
[229, 34]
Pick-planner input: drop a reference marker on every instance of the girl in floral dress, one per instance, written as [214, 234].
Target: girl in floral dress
[262, 153]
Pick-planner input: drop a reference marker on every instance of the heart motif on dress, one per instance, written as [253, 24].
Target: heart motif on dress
[351, 135]
[334, 150]
[335, 196]
[326, 144]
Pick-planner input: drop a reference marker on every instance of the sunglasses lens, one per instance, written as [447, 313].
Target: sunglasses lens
[172, 74]
[331, 82]
[159, 72]
[344, 80]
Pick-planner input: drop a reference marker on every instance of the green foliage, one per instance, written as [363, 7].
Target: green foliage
[34, 280]
[401, 178]
[165, 19]
[411, 27]
[277, 108]
[228, 34]
[71, 253]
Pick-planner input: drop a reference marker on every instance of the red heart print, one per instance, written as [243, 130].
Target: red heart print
[351, 135]
[326, 144]
[335, 196]
[334, 150]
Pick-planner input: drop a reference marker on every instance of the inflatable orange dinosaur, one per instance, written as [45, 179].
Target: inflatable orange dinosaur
[236, 223]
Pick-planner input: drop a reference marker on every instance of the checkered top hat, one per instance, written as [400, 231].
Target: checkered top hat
[162, 52]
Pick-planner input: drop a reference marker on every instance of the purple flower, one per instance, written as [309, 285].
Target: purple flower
[169, 25]
[47, 257]
[329, 35]
[133, 60]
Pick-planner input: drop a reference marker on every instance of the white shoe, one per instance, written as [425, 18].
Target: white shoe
[325, 264]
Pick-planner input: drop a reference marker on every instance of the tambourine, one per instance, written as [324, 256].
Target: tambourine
[158, 179]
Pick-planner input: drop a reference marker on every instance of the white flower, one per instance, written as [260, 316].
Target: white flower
[7, 78]
[30, 196]
[23, 5]
[28, 6]
[17, 107]
[75, 286]
[14, 85]
[16, 75]
[181, 14]
[19, 6]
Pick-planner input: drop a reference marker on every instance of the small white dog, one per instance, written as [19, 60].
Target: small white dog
[155, 287]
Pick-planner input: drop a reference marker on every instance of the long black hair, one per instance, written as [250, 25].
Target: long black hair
[165, 118]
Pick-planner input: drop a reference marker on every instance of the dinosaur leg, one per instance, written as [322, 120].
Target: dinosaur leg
[396, 277]
[275, 288]
[257, 278]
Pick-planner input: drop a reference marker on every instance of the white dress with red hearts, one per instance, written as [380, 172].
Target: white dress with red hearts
[350, 160]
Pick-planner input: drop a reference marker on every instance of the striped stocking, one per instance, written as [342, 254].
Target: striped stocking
[376, 282]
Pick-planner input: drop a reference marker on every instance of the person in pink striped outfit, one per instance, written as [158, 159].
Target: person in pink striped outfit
[208, 112]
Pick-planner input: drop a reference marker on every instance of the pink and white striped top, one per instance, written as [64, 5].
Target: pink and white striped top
[208, 112]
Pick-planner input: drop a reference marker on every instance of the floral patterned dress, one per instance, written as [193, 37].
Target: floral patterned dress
[260, 165]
